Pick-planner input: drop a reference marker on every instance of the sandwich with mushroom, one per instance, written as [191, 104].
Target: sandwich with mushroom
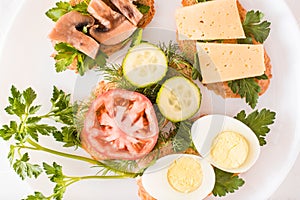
[226, 43]
[88, 31]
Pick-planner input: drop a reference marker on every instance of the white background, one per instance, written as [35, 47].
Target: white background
[289, 189]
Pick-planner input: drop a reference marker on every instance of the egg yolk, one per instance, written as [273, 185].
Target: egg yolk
[185, 175]
[229, 150]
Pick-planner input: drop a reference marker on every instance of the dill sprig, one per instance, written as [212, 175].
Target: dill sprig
[177, 59]
[114, 73]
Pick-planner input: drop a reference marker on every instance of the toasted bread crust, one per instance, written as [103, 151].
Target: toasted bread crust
[147, 18]
[222, 88]
[142, 192]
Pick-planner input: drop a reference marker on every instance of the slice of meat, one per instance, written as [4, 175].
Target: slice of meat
[128, 10]
[65, 30]
[103, 13]
[120, 32]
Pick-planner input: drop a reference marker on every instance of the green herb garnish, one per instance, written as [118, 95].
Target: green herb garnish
[254, 26]
[258, 121]
[144, 9]
[247, 88]
[61, 182]
[226, 183]
[25, 131]
[25, 169]
[67, 54]
[63, 8]
[182, 139]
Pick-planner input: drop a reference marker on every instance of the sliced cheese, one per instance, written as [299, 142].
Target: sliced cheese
[211, 20]
[223, 62]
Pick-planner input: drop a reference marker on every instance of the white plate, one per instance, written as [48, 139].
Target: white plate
[26, 62]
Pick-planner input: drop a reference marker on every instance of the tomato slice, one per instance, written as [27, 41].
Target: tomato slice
[120, 124]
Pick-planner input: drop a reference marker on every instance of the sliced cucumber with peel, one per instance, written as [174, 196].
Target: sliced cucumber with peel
[144, 65]
[178, 99]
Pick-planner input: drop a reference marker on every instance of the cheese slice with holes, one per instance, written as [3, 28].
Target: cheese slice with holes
[211, 20]
[223, 62]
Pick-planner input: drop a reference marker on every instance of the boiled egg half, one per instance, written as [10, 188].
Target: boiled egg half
[226, 143]
[179, 177]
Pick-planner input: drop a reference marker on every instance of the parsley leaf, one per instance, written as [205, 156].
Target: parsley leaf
[8, 131]
[69, 136]
[144, 9]
[56, 175]
[226, 183]
[29, 96]
[63, 8]
[25, 169]
[246, 87]
[67, 54]
[258, 121]
[262, 77]
[17, 103]
[36, 196]
[183, 139]
[254, 26]
[54, 171]
[34, 129]
[62, 109]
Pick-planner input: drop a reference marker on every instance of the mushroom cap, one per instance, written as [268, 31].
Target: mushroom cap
[66, 30]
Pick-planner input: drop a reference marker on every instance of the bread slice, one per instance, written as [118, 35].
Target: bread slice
[222, 88]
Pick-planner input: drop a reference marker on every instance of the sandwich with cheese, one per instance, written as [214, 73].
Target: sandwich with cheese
[86, 32]
[228, 44]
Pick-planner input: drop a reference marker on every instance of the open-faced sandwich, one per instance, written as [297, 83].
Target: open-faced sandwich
[87, 31]
[228, 40]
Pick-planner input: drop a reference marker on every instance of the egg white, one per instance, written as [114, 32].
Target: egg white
[205, 130]
[156, 183]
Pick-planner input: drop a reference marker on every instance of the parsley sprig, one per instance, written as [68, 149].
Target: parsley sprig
[29, 126]
[258, 121]
[144, 9]
[63, 8]
[255, 27]
[226, 183]
[61, 181]
[67, 54]
[247, 88]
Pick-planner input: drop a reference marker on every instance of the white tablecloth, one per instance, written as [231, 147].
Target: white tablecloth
[289, 189]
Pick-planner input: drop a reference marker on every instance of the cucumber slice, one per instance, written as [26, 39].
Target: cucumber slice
[178, 99]
[144, 65]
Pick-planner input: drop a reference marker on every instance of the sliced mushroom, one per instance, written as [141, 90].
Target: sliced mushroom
[121, 30]
[103, 13]
[65, 30]
[129, 10]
